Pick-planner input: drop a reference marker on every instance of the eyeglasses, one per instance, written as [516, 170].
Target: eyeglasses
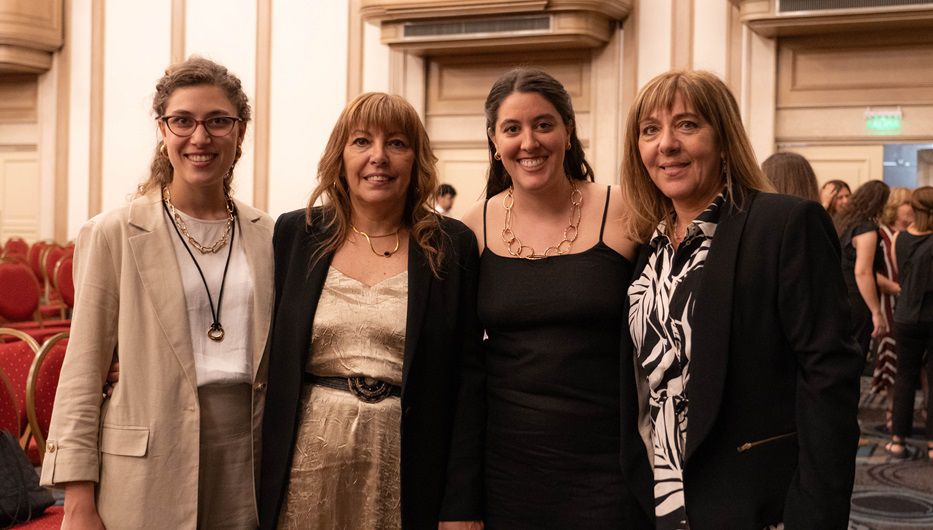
[185, 126]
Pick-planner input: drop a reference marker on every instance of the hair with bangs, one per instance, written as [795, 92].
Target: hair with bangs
[194, 71]
[792, 174]
[921, 202]
[712, 100]
[389, 113]
[531, 80]
[898, 198]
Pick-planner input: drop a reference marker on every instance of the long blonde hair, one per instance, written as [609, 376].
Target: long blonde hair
[195, 71]
[711, 99]
[386, 112]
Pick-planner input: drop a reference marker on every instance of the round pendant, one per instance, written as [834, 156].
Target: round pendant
[216, 333]
[387, 254]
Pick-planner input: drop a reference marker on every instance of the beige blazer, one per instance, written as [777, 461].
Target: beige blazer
[141, 445]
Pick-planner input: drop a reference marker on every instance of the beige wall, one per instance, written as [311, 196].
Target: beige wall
[301, 61]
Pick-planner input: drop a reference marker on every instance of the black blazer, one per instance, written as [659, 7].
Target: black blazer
[773, 366]
[441, 325]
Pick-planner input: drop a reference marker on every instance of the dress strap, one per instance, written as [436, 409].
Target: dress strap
[485, 205]
[602, 227]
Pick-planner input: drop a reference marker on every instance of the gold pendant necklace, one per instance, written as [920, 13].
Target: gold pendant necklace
[180, 223]
[369, 239]
[518, 249]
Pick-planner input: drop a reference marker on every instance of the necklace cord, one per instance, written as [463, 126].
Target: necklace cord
[215, 325]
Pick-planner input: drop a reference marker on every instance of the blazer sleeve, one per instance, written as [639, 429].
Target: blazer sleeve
[814, 315]
[72, 447]
[463, 496]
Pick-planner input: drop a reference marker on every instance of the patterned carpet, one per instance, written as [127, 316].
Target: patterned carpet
[890, 493]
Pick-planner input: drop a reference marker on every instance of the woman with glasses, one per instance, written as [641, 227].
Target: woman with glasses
[177, 286]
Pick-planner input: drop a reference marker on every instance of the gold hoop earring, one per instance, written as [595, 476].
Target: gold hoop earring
[163, 150]
[497, 156]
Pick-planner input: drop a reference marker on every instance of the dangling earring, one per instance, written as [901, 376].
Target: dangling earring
[497, 156]
[163, 150]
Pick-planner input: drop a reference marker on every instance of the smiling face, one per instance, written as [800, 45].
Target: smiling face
[378, 166]
[200, 160]
[680, 151]
[531, 138]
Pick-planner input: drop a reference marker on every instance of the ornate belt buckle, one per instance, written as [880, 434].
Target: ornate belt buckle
[368, 389]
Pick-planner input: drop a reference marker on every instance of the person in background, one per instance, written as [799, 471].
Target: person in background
[858, 234]
[444, 199]
[834, 196]
[884, 348]
[739, 346]
[913, 320]
[538, 429]
[375, 296]
[178, 286]
[791, 174]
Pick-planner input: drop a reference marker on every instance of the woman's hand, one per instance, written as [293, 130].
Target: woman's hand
[112, 377]
[80, 508]
[460, 525]
[880, 323]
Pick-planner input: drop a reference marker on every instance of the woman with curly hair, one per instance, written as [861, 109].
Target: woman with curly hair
[858, 235]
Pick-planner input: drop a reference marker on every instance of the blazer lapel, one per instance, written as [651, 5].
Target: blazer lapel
[419, 285]
[153, 251]
[257, 245]
[712, 326]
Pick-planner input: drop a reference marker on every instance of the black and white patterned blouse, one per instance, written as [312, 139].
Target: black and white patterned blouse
[660, 317]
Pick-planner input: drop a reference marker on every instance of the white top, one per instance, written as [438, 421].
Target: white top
[230, 360]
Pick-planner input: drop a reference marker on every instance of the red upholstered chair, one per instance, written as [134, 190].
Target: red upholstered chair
[20, 290]
[9, 412]
[64, 282]
[16, 246]
[51, 519]
[41, 387]
[15, 361]
[34, 257]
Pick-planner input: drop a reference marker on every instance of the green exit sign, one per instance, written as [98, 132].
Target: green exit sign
[884, 121]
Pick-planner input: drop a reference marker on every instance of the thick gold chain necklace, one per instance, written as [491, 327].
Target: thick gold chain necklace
[180, 223]
[387, 253]
[518, 249]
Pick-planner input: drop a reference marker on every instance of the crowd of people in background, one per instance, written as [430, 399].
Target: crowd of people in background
[678, 351]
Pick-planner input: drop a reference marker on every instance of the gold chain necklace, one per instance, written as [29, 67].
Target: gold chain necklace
[180, 223]
[387, 253]
[517, 248]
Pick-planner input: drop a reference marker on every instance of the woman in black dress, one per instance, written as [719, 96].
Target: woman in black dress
[540, 411]
[858, 235]
[913, 320]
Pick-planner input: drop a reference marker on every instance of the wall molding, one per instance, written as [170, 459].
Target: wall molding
[763, 18]
[178, 31]
[96, 126]
[62, 128]
[30, 32]
[261, 128]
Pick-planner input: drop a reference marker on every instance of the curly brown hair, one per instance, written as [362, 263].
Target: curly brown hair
[865, 205]
[194, 71]
[386, 112]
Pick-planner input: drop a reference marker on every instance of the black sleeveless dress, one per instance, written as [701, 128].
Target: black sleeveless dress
[552, 360]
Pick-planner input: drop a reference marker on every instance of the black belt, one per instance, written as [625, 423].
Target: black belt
[366, 389]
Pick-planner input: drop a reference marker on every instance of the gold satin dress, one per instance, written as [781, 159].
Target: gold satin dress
[345, 468]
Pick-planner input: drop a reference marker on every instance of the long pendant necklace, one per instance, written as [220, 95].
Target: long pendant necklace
[369, 239]
[518, 249]
[216, 331]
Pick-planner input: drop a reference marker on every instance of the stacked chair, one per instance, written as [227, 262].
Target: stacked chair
[28, 381]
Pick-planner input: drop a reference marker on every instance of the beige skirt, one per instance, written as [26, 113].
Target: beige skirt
[225, 479]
